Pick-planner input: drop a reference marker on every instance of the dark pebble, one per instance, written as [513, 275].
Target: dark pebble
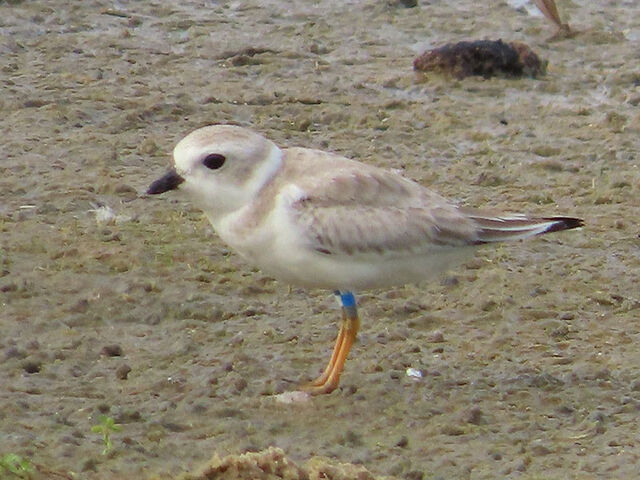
[122, 372]
[227, 367]
[32, 366]
[9, 287]
[114, 350]
[403, 442]
[405, 3]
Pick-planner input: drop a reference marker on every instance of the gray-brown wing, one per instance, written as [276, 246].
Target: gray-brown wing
[371, 211]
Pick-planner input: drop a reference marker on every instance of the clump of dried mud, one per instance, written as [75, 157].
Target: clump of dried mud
[272, 464]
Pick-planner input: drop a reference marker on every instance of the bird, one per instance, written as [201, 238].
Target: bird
[316, 219]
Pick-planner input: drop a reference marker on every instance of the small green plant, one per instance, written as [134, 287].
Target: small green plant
[16, 465]
[105, 427]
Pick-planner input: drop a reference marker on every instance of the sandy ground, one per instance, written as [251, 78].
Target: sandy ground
[530, 352]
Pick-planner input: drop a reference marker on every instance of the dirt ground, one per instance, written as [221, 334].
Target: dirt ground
[530, 353]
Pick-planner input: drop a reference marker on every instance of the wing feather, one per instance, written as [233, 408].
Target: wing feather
[355, 209]
[350, 208]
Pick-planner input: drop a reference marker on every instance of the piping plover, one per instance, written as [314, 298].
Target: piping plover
[316, 219]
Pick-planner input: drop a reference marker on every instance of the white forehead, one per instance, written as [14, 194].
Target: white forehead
[227, 140]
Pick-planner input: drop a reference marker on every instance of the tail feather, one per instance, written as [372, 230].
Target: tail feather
[517, 227]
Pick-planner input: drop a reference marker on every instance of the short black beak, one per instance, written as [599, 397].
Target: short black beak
[169, 181]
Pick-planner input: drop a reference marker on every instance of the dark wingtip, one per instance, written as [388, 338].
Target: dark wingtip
[564, 223]
[169, 181]
[520, 227]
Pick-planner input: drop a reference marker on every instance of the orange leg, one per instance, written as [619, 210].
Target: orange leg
[330, 378]
[322, 379]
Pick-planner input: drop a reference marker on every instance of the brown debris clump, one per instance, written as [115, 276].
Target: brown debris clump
[272, 464]
[486, 58]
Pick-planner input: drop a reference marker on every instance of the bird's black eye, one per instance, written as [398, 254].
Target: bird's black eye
[213, 161]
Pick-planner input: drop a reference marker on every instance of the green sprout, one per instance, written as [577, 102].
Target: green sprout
[105, 427]
[16, 465]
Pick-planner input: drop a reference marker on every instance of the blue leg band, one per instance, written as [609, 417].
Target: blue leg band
[348, 300]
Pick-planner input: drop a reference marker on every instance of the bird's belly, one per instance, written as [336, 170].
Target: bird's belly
[345, 272]
[295, 263]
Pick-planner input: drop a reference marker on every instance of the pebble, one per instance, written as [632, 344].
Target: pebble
[474, 416]
[32, 366]
[122, 372]
[403, 442]
[403, 3]
[436, 337]
[114, 350]
[9, 287]
[292, 397]
[240, 384]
